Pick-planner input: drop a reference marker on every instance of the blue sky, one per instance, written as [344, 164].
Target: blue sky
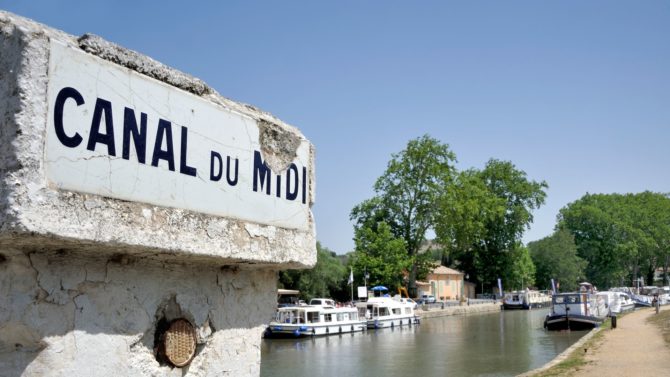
[574, 93]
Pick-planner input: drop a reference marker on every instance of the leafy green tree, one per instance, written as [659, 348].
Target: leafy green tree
[328, 278]
[465, 209]
[521, 271]
[555, 257]
[406, 197]
[483, 219]
[382, 255]
[622, 237]
[591, 221]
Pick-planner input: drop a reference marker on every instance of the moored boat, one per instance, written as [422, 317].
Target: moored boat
[616, 302]
[315, 320]
[527, 299]
[383, 312]
[576, 311]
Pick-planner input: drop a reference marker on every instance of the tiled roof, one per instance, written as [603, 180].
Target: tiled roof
[441, 270]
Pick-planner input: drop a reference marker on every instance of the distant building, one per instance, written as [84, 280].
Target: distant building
[444, 283]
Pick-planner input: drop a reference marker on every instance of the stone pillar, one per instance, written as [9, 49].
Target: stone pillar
[132, 195]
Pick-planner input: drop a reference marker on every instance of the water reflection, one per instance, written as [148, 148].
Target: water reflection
[495, 344]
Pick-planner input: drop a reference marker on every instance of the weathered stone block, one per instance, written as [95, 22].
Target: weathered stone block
[131, 195]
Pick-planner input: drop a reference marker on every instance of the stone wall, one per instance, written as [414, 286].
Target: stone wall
[64, 315]
[88, 282]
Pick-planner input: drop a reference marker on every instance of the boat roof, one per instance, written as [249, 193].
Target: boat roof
[317, 308]
[287, 292]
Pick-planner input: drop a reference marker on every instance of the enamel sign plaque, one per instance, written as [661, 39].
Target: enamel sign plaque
[116, 133]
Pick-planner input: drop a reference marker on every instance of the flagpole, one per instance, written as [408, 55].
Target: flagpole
[352, 286]
[351, 282]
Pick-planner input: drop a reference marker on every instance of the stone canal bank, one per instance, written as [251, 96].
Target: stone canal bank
[458, 310]
[634, 348]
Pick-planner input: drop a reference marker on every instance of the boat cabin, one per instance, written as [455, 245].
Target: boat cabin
[314, 315]
[326, 302]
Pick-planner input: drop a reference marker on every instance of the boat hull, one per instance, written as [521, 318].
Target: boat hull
[534, 305]
[302, 331]
[572, 322]
[507, 306]
[392, 322]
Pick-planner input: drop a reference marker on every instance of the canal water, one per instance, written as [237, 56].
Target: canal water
[492, 344]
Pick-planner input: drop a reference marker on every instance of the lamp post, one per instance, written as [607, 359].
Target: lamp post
[467, 276]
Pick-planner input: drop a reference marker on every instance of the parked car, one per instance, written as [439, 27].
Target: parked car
[428, 299]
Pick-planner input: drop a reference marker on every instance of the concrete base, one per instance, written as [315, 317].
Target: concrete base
[61, 315]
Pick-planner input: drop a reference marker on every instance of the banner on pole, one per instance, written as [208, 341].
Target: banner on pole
[553, 286]
[362, 292]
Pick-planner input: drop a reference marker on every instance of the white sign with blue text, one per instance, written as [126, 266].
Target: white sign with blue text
[116, 133]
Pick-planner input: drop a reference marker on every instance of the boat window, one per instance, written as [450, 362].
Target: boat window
[570, 299]
[340, 317]
[384, 311]
[313, 317]
[361, 312]
[353, 316]
[408, 310]
[327, 317]
[397, 311]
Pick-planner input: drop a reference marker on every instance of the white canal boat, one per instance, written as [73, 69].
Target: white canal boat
[617, 302]
[382, 312]
[527, 299]
[315, 320]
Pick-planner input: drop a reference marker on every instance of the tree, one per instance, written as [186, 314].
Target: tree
[555, 257]
[406, 196]
[382, 255]
[484, 217]
[622, 237]
[521, 271]
[326, 279]
[464, 211]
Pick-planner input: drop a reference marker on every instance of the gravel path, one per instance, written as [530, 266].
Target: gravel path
[634, 348]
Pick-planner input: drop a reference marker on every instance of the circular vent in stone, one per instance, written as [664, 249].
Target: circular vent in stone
[180, 342]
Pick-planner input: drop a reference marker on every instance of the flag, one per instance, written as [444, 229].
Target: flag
[351, 277]
[500, 287]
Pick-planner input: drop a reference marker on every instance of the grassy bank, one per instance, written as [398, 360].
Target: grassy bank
[577, 359]
[662, 321]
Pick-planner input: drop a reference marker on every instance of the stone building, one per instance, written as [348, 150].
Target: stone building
[144, 216]
[444, 283]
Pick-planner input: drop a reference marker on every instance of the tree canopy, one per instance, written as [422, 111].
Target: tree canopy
[555, 257]
[482, 219]
[328, 278]
[406, 195]
[478, 216]
[381, 255]
[622, 236]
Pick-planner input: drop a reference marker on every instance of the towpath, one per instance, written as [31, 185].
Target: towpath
[634, 348]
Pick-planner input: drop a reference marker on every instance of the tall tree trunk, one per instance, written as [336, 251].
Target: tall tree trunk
[412, 281]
